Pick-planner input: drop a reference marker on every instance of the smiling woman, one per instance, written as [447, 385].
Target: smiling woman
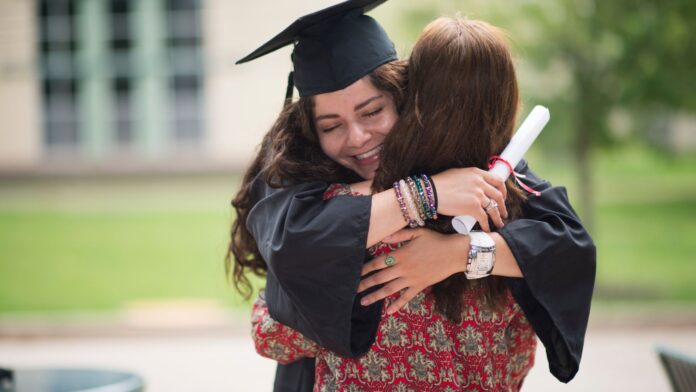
[352, 124]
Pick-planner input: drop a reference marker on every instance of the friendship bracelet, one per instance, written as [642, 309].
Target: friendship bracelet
[402, 205]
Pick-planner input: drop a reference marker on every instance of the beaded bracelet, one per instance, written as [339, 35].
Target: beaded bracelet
[417, 200]
[402, 205]
[432, 196]
[410, 204]
[423, 198]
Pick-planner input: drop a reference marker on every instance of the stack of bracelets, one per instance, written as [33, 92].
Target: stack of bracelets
[417, 199]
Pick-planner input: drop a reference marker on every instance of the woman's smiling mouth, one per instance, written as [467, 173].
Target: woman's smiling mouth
[369, 156]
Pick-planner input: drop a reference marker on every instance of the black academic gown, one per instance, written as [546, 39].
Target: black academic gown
[315, 250]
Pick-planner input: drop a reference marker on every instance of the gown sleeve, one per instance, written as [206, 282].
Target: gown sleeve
[315, 250]
[558, 260]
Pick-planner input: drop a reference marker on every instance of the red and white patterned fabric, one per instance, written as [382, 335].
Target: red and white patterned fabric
[416, 348]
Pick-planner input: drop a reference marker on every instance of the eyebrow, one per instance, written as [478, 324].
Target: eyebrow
[356, 108]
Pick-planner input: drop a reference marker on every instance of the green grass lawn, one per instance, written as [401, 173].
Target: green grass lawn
[102, 243]
[645, 223]
[102, 259]
[647, 250]
[95, 243]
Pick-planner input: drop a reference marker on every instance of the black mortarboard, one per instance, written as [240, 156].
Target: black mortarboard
[334, 47]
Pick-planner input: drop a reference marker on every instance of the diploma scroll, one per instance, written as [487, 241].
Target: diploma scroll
[513, 153]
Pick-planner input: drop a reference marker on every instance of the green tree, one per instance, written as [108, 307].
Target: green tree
[591, 59]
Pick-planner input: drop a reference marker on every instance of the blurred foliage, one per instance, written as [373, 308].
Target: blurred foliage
[605, 69]
[619, 55]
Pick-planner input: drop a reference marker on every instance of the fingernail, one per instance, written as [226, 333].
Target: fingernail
[364, 302]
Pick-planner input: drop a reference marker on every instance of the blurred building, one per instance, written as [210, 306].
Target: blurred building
[130, 85]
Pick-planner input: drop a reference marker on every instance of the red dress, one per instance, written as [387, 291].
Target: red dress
[416, 348]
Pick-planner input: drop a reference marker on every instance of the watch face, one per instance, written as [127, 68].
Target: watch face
[484, 262]
[481, 256]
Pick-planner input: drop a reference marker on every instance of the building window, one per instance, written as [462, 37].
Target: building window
[121, 52]
[185, 72]
[112, 85]
[59, 81]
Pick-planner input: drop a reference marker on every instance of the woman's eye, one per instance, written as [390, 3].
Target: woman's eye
[374, 112]
[331, 128]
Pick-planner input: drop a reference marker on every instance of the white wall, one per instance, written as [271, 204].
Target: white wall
[243, 100]
[20, 135]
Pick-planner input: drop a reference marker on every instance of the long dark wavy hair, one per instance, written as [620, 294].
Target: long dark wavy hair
[461, 106]
[290, 154]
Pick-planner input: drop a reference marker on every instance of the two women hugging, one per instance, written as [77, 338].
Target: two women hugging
[326, 189]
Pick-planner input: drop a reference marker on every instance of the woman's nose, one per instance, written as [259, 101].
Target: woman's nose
[358, 136]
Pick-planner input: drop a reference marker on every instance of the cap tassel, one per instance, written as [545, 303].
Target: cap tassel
[291, 87]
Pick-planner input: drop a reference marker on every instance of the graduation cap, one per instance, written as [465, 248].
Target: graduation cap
[334, 47]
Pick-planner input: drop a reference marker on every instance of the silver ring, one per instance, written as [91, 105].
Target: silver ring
[493, 204]
[390, 260]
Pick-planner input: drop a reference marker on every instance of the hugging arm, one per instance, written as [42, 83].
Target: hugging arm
[294, 353]
[315, 250]
[276, 341]
[548, 246]
[319, 260]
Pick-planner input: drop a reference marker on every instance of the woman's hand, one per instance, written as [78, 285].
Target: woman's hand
[469, 191]
[429, 258]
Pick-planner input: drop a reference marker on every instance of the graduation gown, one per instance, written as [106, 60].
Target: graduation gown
[315, 250]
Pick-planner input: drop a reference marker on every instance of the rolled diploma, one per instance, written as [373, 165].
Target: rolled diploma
[513, 153]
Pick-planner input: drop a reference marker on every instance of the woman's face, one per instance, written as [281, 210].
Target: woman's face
[352, 124]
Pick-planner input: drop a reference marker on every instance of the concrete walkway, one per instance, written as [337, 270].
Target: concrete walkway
[614, 359]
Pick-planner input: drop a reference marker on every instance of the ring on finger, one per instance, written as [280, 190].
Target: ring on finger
[390, 260]
[493, 204]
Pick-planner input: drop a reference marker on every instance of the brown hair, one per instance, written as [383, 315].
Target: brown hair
[290, 154]
[461, 105]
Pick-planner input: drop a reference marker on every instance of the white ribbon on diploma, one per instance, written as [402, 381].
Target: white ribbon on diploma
[513, 153]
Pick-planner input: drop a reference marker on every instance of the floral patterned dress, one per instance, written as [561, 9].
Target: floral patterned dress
[416, 348]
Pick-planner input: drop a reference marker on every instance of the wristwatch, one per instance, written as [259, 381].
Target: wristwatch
[481, 255]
